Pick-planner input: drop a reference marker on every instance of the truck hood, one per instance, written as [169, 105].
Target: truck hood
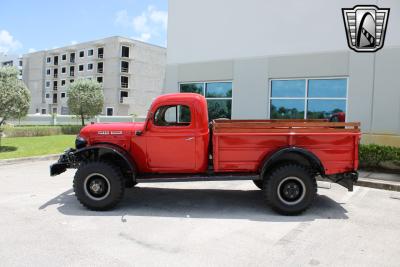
[122, 129]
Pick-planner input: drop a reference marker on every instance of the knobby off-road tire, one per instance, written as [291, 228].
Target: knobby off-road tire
[99, 185]
[259, 183]
[129, 183]
[290, 189]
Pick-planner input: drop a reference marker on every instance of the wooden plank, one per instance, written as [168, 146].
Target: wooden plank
[285, 130]
[274, 124]
[284, 126]
[273, 120]
[333, 125]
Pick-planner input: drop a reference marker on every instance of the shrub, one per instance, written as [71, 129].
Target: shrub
[70, 129]
[373, 155]
[28, 131]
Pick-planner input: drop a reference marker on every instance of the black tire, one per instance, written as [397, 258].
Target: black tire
[99, 185]
[259, 183]
[129, 183]
[290, 189]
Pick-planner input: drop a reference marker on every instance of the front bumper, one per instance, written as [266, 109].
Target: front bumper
[346, 180]
[65, 161]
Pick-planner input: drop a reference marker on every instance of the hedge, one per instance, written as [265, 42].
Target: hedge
[372, 156]
[27, 131]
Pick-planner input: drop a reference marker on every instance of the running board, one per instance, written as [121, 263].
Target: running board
[159, 178]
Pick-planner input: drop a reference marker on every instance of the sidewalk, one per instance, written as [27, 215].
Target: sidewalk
[386, 181]
[380, 176]
[29, 159]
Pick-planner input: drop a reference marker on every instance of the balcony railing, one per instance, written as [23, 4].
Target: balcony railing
[100, 70]
[124, 85]
[72, 60]
[55, 75]
[71, 73]
[100, 55]
[55, 87]
[124, 69]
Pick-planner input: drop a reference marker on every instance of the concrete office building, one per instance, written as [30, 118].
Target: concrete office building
[131, 73]
[260, 59]
[11, 60]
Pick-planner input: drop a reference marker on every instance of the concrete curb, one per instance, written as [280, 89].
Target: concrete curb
[29, 159]
[379, 184]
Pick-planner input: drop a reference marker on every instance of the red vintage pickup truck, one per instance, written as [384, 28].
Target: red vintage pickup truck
[177, 143]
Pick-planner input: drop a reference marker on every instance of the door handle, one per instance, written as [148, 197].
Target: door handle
[189, 139]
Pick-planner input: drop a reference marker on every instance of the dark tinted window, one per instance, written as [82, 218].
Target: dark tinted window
[288, 88]
[219, 89]
[287, 109]
[125, 51]
[219, 109]
[324, 108]
[192, 88]
[327, 88]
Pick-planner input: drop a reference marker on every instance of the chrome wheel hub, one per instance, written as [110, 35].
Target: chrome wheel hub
[291, 190]
[97, 186]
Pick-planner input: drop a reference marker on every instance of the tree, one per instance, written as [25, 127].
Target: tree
[85, 99]
[14, 95]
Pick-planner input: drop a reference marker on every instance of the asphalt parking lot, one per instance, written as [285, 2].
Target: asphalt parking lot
[191, 224]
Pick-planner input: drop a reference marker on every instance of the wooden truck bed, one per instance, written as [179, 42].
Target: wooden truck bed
[242, 145]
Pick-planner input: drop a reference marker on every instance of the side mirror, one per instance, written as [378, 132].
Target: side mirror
[138, 133]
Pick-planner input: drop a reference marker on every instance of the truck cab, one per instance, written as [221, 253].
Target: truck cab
[177, 143]
[176, 135]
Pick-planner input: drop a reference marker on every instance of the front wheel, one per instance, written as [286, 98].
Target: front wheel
[290, 189]
[99, 185]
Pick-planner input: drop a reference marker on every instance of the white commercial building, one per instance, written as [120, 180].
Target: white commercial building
[260, 59]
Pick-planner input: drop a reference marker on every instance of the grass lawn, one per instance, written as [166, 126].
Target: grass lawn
[19, 147]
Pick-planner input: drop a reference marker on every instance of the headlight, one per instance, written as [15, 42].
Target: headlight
[80, 142]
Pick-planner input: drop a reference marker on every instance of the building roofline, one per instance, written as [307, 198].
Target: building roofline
[138, 41]
[93, 41]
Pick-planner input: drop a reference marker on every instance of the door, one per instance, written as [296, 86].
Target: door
[171, 142]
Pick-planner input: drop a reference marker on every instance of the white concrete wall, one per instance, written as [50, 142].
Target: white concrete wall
[225, 29]
[148, 77]
[33, 73]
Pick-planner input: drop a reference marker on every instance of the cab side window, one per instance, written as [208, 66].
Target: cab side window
[172, 115]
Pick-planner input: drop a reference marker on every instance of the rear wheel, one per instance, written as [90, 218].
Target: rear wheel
[290, 189]
[99, 185]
